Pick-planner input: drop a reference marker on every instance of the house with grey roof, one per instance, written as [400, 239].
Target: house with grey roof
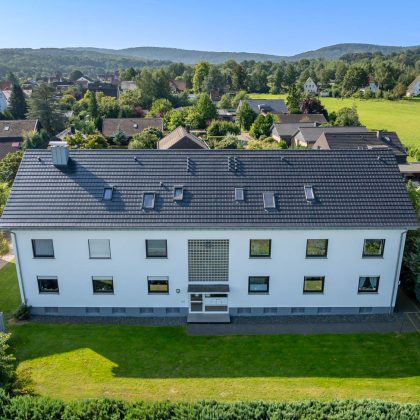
[202, 234]
[302, 118]
[130, 126]
[11, 134]
[265, 106]
[285, 132]
[180, 138]
[362, 140]
[307, 136]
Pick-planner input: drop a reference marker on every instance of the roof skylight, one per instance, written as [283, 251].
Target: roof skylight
[149, 200]
[239, 194]
[107, 194]
[269, 200]
[178, 193]
[309, 192]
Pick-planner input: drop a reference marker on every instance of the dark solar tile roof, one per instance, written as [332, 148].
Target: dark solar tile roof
[275, 106]
[353, 189]
[302, 118]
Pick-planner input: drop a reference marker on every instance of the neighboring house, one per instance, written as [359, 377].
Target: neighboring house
[310, 86]
[109, 78]
[302, 118]
[5, 85]
[178, 86]
[127, 85]
[226, 114]
[83, 81]
[130, 126]
[414, 87]
[363, 140]
[180, 138]
[411, 171]
[324, 93]
[286, 132]
[264, 106]
[307, 136]
[216, 95]
[11, 134]
[69, 131]
[372, 86]
[106, 88]
[4, 103]
[208, 234]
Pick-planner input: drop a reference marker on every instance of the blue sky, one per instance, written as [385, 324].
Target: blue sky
[282, 27]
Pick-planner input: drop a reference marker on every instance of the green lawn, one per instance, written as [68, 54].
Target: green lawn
[400, 116]
[71, 361]
[158, 363]
[9, 296]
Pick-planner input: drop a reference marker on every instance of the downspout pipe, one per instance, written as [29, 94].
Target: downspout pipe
[397, 270]
[18, 269]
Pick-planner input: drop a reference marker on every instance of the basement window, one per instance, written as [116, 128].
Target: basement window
[149, 200]
[269, 200]
[107, 194]
[239, 194]
[309, 192]
[178, 193]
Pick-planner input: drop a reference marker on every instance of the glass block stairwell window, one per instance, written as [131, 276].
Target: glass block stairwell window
[208, 260]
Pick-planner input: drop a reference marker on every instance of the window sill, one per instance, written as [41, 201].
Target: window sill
[313, 293]
[103, 293]
[157, 293]
[49, 293]
[258, 293]
[156, 258]
[99, 258]
[368, 293]
[372, 257]
[43, 258]
[260, 258]
[315, 258]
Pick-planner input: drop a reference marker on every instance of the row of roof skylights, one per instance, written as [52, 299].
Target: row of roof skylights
[269, 200]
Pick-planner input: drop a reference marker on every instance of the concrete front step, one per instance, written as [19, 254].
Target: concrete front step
[208, 319]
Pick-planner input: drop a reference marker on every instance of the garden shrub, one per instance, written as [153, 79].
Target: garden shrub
[38, 408]
[22, 313]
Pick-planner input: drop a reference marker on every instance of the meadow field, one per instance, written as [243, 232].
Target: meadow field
[400, 116]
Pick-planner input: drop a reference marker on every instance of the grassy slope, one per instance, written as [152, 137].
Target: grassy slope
[9, 296]
[157, 363]
[400, 116]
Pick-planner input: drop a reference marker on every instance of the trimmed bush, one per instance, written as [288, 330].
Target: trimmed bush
[42, 408]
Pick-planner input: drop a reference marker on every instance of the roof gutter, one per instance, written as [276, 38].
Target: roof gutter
[18, 269]
[397, 271]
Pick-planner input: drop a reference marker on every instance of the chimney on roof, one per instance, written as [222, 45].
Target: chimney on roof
[59, 153]
[379, 134]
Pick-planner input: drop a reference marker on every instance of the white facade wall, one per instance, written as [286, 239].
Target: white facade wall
[286, 267]
[310, 87]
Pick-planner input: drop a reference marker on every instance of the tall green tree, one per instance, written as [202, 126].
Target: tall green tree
[205, 107]
[9, 166]
[347, 117]
[261, 127]
[294, 98]
[17, 106]
[43, 107]
[201, 71]
[245, 116]
[75, 74]
[355, 78]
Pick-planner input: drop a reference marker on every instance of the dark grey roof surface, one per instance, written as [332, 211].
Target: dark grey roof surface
[361, 140]
[288, 129]
[353, 189]
[130, 126]
[302, 118]
[14, 129]
[311, 134]
[275, 106]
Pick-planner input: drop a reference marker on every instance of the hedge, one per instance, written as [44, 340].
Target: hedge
[42, 408]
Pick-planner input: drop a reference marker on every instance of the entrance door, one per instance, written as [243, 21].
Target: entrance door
[209, 302]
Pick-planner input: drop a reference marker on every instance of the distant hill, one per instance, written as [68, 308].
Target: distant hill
[47, 61]
[193, 56]
[93, 61]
